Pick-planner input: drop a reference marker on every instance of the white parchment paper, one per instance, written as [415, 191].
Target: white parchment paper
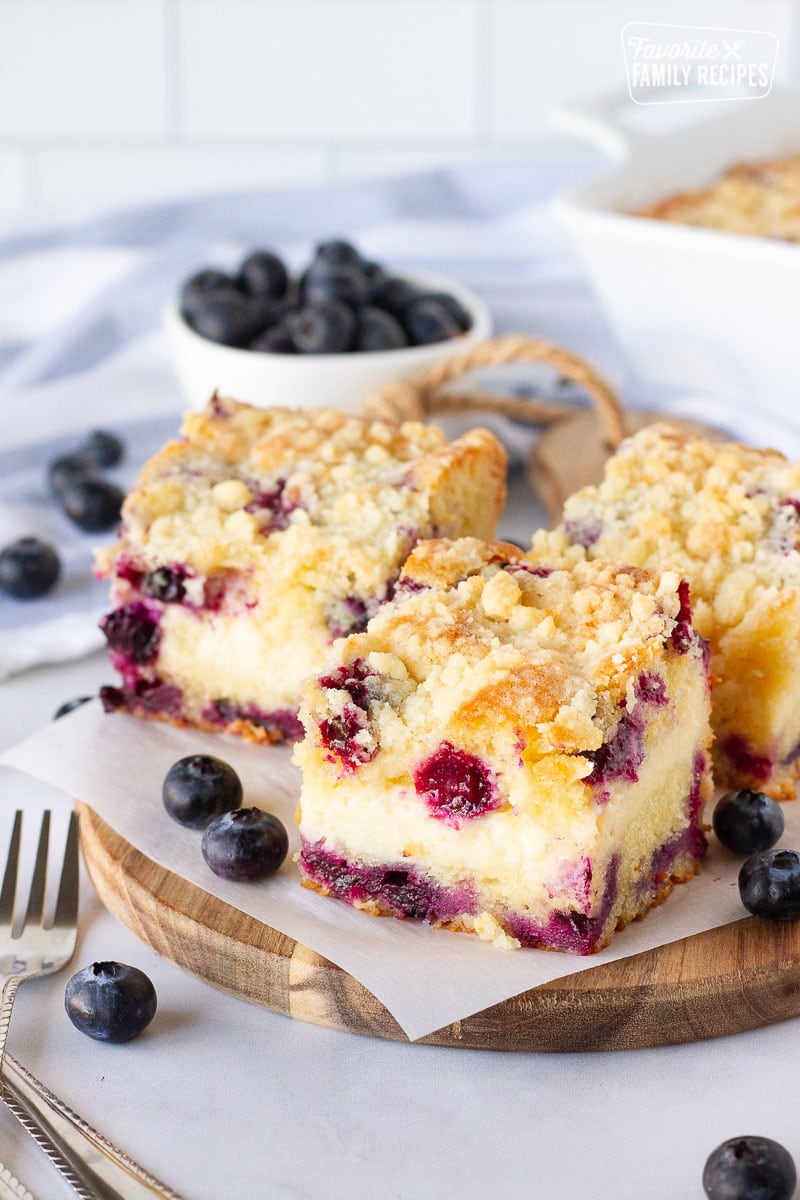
[426, 978]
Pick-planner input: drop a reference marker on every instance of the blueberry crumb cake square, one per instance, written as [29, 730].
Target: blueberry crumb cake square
[510, 749]
[727, 518]
[261, 535]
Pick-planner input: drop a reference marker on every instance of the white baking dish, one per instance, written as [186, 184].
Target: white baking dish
[692, 307]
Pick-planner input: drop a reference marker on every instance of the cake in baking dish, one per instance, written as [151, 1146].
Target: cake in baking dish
[509, 749]
[727, 518]
[259, 537]
[761, 199]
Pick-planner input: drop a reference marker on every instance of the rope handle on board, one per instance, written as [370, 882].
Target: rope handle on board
[422, 396]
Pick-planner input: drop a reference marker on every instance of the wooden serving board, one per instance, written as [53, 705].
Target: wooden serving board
[738, 977]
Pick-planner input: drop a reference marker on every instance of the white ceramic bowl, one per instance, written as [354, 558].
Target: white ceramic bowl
[341, 381]
[693, 308]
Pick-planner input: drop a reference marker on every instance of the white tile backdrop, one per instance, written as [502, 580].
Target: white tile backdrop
[110, 102]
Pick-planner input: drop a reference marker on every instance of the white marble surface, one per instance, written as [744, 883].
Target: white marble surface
[222, 1099]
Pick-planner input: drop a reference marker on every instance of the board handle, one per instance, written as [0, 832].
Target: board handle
[429, 393]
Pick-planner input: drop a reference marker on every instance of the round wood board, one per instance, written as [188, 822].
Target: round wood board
[738, 977]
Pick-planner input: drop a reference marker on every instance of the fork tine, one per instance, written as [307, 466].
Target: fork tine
[36, 897]
[67, 902]
[10, 878]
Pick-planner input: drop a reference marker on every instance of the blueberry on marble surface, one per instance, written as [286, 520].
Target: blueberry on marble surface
[94, 505]
[103, 448]
[29, 567]
[244, 845]
[110, 1001]
[749, 1168]
[747, 821]
[199, 788]
[769, 885]
[70, 705]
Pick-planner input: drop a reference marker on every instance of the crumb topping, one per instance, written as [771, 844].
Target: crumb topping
[240, 475]
[725, 515]
[554, 654]
[761, 199]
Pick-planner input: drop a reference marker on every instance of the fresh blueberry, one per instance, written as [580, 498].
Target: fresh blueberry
[269, 310]
[93, 504]
[165, 584]
[769, 885]
[749, 1168]
[456, 309]
[199, 788]
[28, 568]
[276, 340]
[323, 328]
[747, 821]
[110, 1002]
[373, 271]
[233, 319]
[263, 274]
[379, 330]
[104, 449]
[393, 294]
[429, 321]
[345, 284]
[68, 469]
[70, 705]
[205, 283]
[337, 252]
[245, 844]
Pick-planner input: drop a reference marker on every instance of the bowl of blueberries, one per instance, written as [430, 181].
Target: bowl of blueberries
[324, 338]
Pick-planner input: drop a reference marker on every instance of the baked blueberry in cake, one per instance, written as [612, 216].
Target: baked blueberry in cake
[727, 518]
[508, 748]
[259, 537]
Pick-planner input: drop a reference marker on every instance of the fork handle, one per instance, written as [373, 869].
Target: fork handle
[94, 1167]
[44, 1143]
[28, 1121]
[11, 1188]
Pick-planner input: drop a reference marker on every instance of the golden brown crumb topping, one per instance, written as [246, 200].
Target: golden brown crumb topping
[761, 199]
[238, 472]
[725, 515]
[480, 630]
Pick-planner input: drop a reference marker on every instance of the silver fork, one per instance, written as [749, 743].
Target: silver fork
[94, 1167]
